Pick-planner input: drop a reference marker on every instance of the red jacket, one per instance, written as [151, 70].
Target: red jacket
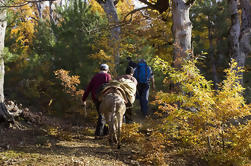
[96, 81]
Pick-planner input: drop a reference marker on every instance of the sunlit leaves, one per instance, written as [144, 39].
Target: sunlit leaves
[23, 27]
[68, 82]
[197, 113]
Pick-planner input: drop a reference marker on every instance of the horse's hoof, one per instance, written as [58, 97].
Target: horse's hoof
[98, 137]
[110, 142]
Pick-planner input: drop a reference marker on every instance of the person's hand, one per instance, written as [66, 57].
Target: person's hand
[84, 109]
[154, 87]
[84, 104]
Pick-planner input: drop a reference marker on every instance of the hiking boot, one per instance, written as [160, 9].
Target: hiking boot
[97, 137]
[106, 130]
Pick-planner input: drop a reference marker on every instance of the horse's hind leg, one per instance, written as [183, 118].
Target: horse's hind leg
[111, 129]
[115, 125]
[119, 122]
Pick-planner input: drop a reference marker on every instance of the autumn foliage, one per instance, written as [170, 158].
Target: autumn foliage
[209, 122]
[49, 63]
[69, 83]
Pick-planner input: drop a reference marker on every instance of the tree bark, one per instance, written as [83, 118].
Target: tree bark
[182, 31]
[52, 21]
[39, 10]
[4, 114]
[212, 53]
[240, 32]
[3, 25]
[111, 12]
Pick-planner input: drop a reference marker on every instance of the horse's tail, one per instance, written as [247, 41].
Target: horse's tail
[116, 119]
[113, 119]
[119, 118]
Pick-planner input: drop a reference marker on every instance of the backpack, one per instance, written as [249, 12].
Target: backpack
[142, 73]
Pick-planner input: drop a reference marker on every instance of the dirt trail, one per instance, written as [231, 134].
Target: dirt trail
[25, 148]
[75, 146]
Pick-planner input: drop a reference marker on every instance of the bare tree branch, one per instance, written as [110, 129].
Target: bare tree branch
[150, 5]
[134, 11]
[190, 2]
[160, 5]
[25, 3]
[116, 2]
[101, 1]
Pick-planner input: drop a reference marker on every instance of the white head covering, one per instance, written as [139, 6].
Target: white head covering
[142, 60]
[104, 67]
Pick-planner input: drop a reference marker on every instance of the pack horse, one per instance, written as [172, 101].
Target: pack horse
[113, 107]
[114, 98]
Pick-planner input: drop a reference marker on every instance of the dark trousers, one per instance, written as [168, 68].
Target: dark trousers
[128, 114]
[101, 129]
[142, 95]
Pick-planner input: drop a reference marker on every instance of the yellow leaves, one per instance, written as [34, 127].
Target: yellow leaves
[167, 14]
[29, 12]
[230, 101]
[14, 31]
[200, 112]
[60, 134]
[95, 6]
[51, 100]
[152, 149]
[23, 30]
[70, 83]
[19, 38]
[124, 7]
[101, 56]
[130, 133]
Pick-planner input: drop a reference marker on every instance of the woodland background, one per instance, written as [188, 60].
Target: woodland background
[197, 49]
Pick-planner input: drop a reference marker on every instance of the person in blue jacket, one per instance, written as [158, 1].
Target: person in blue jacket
[144, 75]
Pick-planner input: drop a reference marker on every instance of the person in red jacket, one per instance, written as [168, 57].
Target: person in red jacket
[95, 84]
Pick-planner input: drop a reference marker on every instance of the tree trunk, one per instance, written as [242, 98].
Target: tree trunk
[240, 32]
[212, 54]
[52, 21]
[39, 10]
[4, 114]
[3, 25]
[113, 19]
[182, 31]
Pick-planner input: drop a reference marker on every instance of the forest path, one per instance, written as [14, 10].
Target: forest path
[72, 145]
[67, 146]
[28, 147]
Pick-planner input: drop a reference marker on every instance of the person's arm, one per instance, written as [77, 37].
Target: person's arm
[88, 90]
[152, 78]
[109, 78]
[153, 82]
[135, 81]
[135, 74]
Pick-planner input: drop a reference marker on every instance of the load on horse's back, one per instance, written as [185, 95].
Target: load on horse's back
[126, 87]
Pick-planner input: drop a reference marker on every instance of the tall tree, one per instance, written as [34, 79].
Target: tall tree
[240, 31]
[3, 23]
[112, 15]
[39, 10]
[182, 26]
[210, 34]
[4, 5]
[182, 30]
